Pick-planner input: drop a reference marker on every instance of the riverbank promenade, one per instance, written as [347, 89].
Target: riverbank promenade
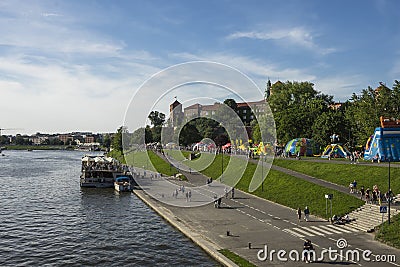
[252, 228]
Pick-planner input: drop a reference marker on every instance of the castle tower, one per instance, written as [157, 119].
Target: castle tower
[176, 113]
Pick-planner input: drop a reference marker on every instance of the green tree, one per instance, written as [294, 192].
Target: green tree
[296, 106]
[189, 134]
[156, 133]
[117, 139]
[328, 123]
[255, 132]
[365, 109]
[231, 103]
[107, 141]
[156, 118]
[148, 135]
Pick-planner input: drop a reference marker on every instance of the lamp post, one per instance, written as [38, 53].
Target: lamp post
[262, 173]
[222, 163]
[389, 196]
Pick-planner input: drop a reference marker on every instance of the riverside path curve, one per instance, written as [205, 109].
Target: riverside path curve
[247, 224]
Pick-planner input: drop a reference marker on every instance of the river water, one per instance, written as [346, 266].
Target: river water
[46, 219]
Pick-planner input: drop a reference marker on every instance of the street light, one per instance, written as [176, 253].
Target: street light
[328, 196]
[222, 164]
[389, 197]
[262, 173]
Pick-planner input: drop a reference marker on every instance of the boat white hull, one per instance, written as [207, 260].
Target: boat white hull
[122, 188]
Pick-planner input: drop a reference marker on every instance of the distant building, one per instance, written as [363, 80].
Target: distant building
[209, 110]
[66, 138]
[247, 111]
[192, 111]
[335, 106]
[38, 139]
[89, 139]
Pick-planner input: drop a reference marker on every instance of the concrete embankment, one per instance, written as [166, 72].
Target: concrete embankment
[203, 242]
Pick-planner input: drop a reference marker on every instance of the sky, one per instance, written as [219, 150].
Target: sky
[79, 65]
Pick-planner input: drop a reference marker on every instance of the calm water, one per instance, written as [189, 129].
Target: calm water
[46, 219]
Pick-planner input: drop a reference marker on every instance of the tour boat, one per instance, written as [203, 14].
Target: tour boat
[101, 171]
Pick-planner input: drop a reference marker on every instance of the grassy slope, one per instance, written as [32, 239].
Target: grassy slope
[290, 191]
[236, 258]
[150, 161]
[343, 174]
[389, 233]
[141, 159]
[365, 175]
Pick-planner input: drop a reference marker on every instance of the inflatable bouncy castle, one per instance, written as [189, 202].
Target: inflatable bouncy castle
[301, 147]
[384, 144]
[335, 150]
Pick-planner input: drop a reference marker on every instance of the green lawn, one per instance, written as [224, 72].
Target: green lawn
[343, 174]
[389, 233]
[236, 258]
[146, 159]
[290, 191]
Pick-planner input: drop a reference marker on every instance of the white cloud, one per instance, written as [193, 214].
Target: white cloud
[253, 67]
[297, 36]
[52, 97]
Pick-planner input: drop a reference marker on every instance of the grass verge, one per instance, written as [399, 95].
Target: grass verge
[141, 159]
[389, 233]
[343, 174]
[288, 190]
[236, 258]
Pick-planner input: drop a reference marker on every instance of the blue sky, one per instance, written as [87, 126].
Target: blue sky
[75, 65]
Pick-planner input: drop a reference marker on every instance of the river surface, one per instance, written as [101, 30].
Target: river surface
[46, 219]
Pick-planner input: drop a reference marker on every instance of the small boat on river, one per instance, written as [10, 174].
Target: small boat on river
[123, 184]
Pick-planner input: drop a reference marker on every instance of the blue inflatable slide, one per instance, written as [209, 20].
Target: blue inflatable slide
[384, 144]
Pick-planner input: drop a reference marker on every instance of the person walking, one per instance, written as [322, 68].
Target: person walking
[306, 213]
[190, 195]
[299, 214]
[362, 192]
[215, 201]
[233, 193]
[219, 202]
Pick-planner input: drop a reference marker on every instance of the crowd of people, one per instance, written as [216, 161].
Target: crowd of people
[374, 196]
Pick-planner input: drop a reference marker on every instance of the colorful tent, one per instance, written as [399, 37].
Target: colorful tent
[302, 147]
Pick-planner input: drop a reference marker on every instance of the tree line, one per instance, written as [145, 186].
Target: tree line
[299, 110]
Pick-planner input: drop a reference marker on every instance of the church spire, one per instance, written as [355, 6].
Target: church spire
[267, 92]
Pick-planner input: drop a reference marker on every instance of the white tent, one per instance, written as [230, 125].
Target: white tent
[99, 159]
[87, 159]
[111, 160]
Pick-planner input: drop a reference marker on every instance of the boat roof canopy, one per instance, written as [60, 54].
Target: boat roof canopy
[122, 178]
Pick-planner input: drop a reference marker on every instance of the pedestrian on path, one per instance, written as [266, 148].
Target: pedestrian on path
[299, 214]
[226, 192]
[233, 193]
[215, 201]
[362, 192]
[306, 213]
[190, 195]
[187, 196]
[219, 202]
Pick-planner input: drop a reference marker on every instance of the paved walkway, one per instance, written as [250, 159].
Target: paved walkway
[247, 224]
